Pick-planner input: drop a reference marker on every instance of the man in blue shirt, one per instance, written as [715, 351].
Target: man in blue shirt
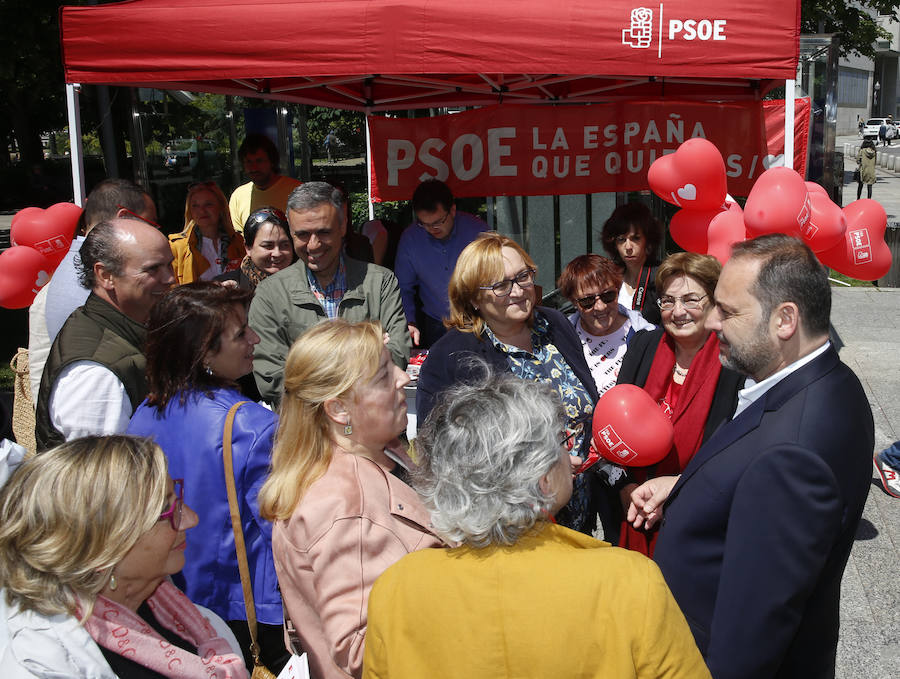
[426, 257]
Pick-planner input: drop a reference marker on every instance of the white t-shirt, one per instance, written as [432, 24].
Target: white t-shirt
[88, 399]
[604, 354]
[213, 256]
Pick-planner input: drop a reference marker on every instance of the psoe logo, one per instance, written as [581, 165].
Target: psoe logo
[640, 34]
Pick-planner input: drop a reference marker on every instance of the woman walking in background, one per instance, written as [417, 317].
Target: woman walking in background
[865, 161]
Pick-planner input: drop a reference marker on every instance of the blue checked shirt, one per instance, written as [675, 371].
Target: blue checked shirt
[331, 295]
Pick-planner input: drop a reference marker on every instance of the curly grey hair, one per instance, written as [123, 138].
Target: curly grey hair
[483, 451]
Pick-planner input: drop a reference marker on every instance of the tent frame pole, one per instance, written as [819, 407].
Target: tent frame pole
[369, 168]
[789, 87]
[76, 152]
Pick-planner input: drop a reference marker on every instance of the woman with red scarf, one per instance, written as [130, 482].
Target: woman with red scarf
[678, 365]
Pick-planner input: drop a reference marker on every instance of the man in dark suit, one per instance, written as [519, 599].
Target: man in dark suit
[758, 528]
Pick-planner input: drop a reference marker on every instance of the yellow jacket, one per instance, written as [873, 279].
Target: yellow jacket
[189, 263]
[556, 604]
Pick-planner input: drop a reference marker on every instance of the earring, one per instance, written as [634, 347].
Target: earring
[208, 370]
[348, 428]
[113, 583]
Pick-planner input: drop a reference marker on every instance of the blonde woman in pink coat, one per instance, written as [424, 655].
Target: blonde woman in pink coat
[341, 512]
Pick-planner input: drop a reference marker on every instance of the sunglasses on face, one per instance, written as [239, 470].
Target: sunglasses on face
[589, 301]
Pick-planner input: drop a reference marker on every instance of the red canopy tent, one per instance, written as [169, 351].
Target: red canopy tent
[376, 55]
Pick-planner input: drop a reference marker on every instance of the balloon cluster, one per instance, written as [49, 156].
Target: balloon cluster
[40, 239]
[849, 240]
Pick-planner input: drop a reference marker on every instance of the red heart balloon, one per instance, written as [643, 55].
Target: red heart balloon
[862, 253]
[629, 428]
[812, 188]
[23, 272]
[778, 203]
[49, 231]
[693, 177]
[827, 223]
[725, 230]
[688, 228]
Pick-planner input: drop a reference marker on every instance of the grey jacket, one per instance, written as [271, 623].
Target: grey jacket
[284, 307]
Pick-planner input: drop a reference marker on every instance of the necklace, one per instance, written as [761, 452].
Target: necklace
[679, 371]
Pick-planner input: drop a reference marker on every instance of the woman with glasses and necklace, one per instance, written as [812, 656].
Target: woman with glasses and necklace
[198, 345]
[678, 365]
[209, 245]
[494, 316]
[90, 531]
[605, 326]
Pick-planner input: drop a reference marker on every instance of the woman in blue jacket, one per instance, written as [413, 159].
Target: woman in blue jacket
[198, 345]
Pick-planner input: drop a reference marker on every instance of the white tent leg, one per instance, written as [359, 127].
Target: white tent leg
[75, 151]
[369, 170]
[789, 86]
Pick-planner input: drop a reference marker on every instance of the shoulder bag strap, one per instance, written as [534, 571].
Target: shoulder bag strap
[239, 547]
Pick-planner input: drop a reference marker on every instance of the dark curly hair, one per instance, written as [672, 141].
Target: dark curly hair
[635, 216]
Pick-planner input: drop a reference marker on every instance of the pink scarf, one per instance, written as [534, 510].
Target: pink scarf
[122, 631]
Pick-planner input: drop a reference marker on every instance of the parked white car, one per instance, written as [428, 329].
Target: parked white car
[870, 129]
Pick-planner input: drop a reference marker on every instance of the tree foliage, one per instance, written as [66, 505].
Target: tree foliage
[855, 20]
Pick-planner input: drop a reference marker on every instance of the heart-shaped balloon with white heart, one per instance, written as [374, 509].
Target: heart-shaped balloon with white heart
[693, 177]
[23, 272]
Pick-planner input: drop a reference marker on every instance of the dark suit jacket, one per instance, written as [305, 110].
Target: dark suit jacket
[757, 531]
[636, 368]
[447, 363]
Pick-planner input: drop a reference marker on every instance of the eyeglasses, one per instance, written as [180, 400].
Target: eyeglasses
[135, 215]
[573, 433]
[267, 214]
[175, 512]
[435, 224]
[666, 303]
[524, 279]
[589, 301]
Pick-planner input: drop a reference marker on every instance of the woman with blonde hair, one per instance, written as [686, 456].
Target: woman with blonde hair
[89, 533]
[494, 317]
[341, 512]
[209, 245]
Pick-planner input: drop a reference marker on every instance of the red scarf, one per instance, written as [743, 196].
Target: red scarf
[688, 419]
[122, 631]
[694, 400]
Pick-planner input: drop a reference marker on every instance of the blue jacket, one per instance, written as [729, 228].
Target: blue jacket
[191, 437]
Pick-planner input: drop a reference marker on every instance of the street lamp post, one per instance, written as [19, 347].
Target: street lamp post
[877, 87]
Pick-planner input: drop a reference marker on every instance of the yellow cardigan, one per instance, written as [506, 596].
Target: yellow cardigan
[556, 604]
[189, 262]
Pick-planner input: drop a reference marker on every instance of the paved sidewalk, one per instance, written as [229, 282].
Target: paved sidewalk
[867, 321]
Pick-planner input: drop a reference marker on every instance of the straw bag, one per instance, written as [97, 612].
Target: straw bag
[23, 406]
[260, 671]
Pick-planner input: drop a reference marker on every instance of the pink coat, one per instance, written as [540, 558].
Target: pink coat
[351, 524]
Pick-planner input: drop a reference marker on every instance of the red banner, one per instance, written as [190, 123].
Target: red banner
[538, 150]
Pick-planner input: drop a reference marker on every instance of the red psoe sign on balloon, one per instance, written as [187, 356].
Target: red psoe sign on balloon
[629, 428]
[862, 253]
[48, 231]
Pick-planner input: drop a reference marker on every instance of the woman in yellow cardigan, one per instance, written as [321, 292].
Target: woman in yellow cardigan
[209, 245]
[519, 596]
